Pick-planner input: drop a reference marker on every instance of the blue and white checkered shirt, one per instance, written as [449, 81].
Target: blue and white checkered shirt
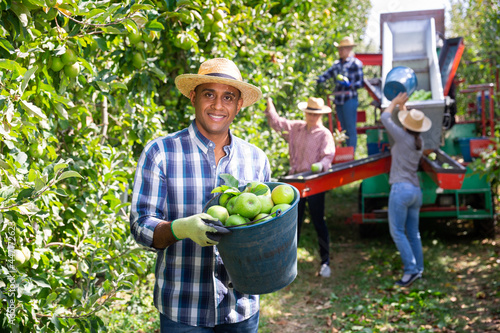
[174, 177]
[352, 68]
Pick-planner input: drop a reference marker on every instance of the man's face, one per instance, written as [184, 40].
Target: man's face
[312, 118]
[344, 51]
[215, 106]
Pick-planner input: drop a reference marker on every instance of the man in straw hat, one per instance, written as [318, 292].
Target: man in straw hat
[348, 75]
[405, 197]
[174, 179]
[311, 146]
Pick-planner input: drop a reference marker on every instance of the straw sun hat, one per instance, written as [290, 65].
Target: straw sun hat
[314, 105]
[414, 120]
[346, 41]
[219, 70]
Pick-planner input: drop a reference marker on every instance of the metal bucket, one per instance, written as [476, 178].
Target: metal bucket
[400, 79]
[262, 258]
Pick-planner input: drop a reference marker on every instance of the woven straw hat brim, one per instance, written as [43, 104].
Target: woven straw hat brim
[187, 82]
[303, 106]
[426, 123]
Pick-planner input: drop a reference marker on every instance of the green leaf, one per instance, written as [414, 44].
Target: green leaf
[118, 85]
[60, 166]
[22, 12]
[68, 174]
[154, 26]
[33, 109]
[39, 184]
[10, 65]
[229, 180]
[6, 45]
[138, 7]
[7, 191]
[27, 77]
[25, 193]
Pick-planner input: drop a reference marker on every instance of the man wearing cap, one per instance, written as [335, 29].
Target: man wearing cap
[309, 142]
[173, 182]
[348, 75]
[405, 197]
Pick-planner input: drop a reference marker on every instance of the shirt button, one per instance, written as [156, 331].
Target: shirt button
[213, 166]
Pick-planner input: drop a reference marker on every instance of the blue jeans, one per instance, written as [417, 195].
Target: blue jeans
[251, 325]
[347, 114]
[405, 201]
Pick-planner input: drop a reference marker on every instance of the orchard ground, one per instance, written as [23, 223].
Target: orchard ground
[460, 290]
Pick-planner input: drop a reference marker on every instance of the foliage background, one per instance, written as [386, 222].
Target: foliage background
[78, 260]
[69, 145]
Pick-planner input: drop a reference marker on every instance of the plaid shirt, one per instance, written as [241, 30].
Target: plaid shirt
[352, 68]
[174, 177]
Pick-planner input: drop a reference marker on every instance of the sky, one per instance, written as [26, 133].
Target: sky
[388, 6]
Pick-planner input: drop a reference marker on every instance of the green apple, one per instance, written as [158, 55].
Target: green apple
[76, 293]
[235, 219]
[266, 202]
[137, 60]
[219, 212]
[69, 57]
[432, 156]
[224, 198]
[230, 205]
[57, 64]
[72, 70]
[316, 167]
[257, 188]
[262, 216]
[340, 77]
[134, 37]
[282, 194]
[19, 257]
[284, 207]
[26, 252]
[247, 205]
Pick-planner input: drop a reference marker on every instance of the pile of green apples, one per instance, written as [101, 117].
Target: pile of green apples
[256, 203]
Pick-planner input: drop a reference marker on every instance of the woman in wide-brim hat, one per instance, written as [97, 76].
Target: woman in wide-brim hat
[219, 70]
[405, 197]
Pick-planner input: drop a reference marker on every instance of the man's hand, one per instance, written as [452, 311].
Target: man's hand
[270, 106]
[401, 100]
[343, 80]
[196, 227]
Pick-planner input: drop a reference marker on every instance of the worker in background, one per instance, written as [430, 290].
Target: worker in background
[405, 197]
[311, 147]
[348, 75]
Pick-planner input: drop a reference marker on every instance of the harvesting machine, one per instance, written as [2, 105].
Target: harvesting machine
[451, 191]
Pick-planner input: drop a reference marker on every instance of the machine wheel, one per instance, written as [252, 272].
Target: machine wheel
[485, 228]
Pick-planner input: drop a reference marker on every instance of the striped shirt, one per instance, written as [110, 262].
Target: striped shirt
[305, 147]
[174, 177]
[352, 68]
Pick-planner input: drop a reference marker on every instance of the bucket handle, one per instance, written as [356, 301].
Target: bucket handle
[276, 213]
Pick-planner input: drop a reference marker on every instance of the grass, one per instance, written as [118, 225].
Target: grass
[460, 291]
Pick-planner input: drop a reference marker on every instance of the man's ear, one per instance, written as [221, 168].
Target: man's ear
[192, 96]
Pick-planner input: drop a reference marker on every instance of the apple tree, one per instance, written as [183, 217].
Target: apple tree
[84, 85]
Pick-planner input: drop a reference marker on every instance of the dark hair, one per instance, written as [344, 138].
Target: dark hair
[418, 139]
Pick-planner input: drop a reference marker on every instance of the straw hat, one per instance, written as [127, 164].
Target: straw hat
[314, 105]
[414, 120]
[346, 41]
[219, 70]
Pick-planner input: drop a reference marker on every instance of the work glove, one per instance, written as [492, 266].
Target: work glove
[343, 80]
[202, 229]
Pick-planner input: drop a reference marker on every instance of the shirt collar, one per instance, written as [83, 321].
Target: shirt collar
[203, 143]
